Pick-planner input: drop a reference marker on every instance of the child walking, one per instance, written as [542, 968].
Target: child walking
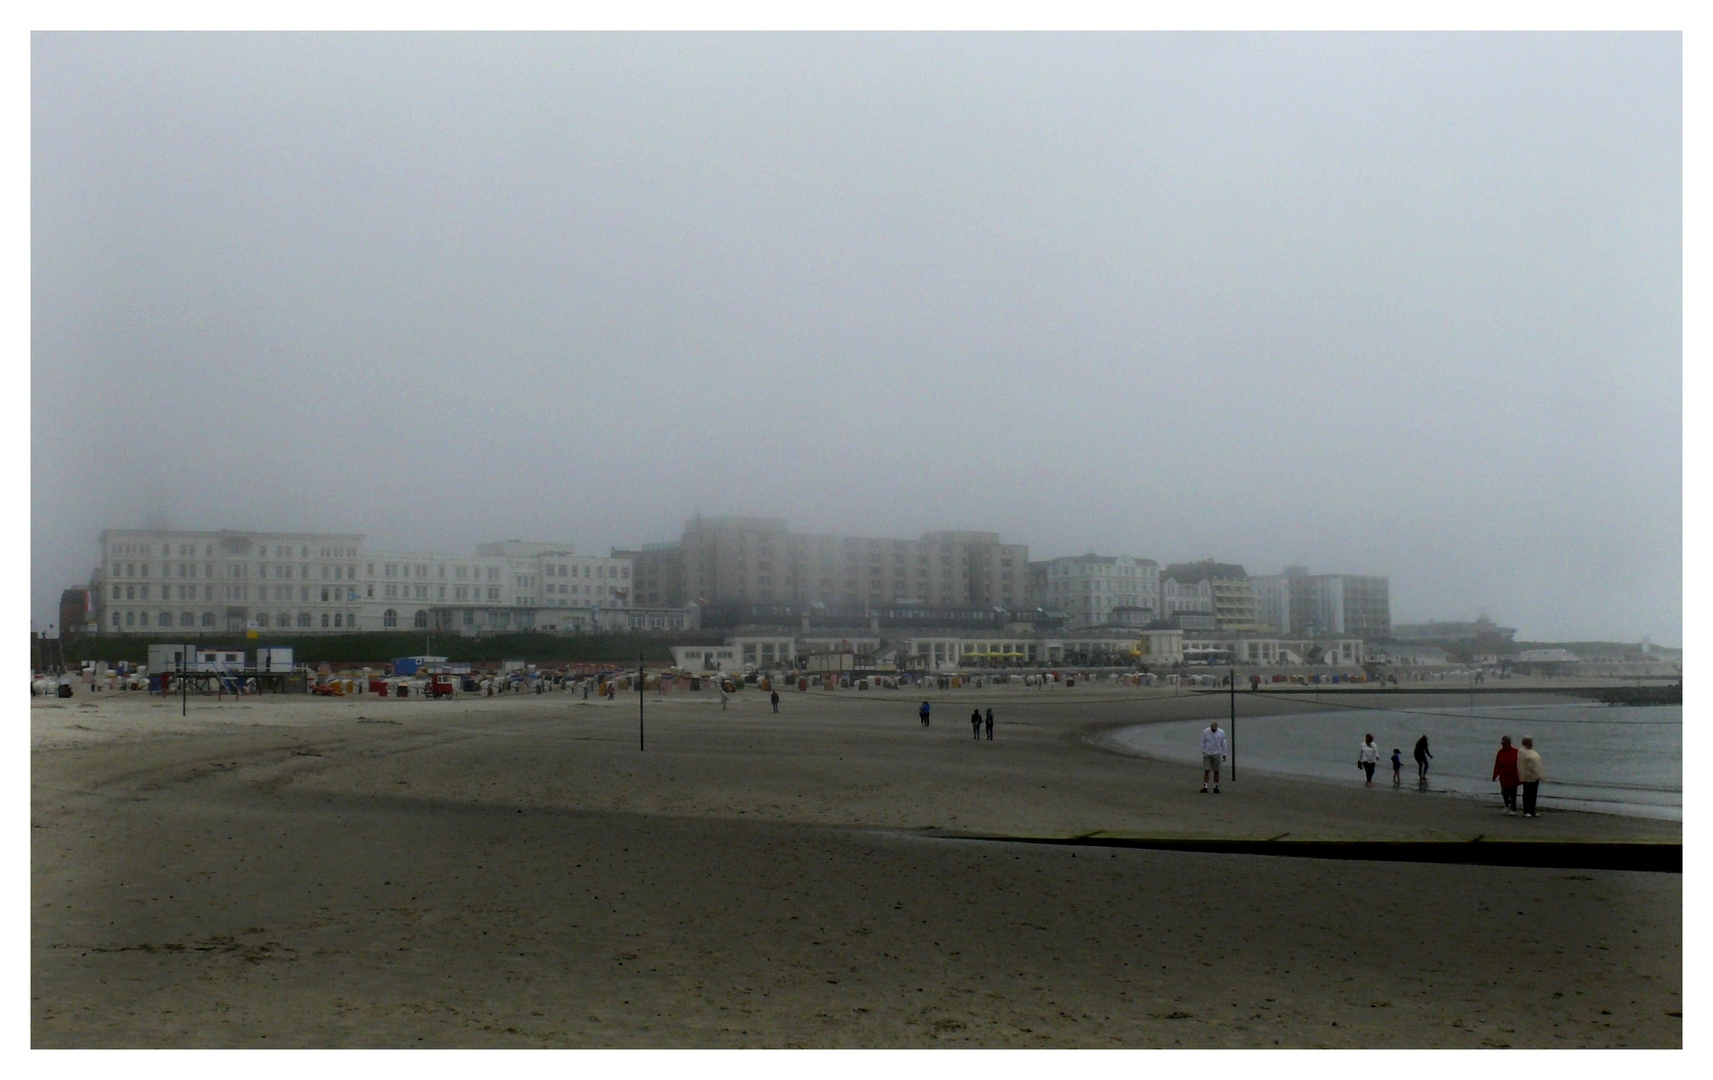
[1397, 767]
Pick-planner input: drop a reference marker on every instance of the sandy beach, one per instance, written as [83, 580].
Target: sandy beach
[283, 871]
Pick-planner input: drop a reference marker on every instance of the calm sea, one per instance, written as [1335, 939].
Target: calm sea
[1609, 759]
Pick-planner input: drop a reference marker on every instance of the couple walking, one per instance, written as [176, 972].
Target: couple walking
[975, 724]
[1515, 768]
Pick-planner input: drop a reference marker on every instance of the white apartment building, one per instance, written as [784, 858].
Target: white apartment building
[151, 580]
[1090, 588]
[506, 587]
[228, 582]
[1187, 597]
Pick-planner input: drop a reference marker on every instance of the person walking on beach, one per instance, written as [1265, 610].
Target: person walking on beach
[775, 699]
[1505, 771]
[1397, 767]
[1422, 757]
[1213, 749]
[923, 712]
[1368, 758]
[1530, 772]
[975, 724]
[990, 723]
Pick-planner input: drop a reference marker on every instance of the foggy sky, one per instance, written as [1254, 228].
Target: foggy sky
[1395, 304]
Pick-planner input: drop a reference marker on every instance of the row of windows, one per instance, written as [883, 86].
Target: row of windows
[234, 592]
[185, 551]
[601, 570]
[583, 590]
[420, 570]
[302, 620]
[232, 546]
[282, 571]
[394, 591]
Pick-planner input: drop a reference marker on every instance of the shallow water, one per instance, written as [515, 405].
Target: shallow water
[1614, 760]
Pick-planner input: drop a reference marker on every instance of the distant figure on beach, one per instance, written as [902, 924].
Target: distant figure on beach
[775, 699]
[975, 724]
[1530, 772]
[990, 723]
[1213, 749]
[1505, 771]
[722, 699]
[923, 712]
[1397, 767]
[1422, 758]
[1368, 758]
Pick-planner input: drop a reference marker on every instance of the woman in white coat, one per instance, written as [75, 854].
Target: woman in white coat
[1368, 757]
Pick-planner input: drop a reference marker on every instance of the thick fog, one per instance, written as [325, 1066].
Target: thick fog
[1394, 304]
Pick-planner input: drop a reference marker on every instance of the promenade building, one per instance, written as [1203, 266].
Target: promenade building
[771, 649]
[1097, 590]
[1297, 602]
[1208, 587]
[1214, 647]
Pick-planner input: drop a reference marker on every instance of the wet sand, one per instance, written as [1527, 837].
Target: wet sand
[514, 872]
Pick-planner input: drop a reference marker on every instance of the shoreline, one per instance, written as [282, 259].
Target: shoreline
[1110, 741]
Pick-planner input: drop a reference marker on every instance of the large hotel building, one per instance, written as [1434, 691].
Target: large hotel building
[151, 581]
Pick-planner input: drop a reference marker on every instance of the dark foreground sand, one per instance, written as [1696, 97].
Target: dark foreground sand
[292, 872]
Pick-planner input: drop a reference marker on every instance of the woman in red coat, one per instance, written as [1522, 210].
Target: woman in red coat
[1505, 771]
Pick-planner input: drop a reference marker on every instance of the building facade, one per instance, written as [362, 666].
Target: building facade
[1297, 602]
[1096, 590]
[728, 560]
[1224, 588]
[657, 574]
[77, 612]
[153, 580]
[230, 582]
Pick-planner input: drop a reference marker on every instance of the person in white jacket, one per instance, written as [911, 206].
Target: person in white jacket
[1531, 773]
[1367, 758]
[1213, 749]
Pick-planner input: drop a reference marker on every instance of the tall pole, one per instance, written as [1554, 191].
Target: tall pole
[641, 730]
[183, 688]
[1234, 725]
